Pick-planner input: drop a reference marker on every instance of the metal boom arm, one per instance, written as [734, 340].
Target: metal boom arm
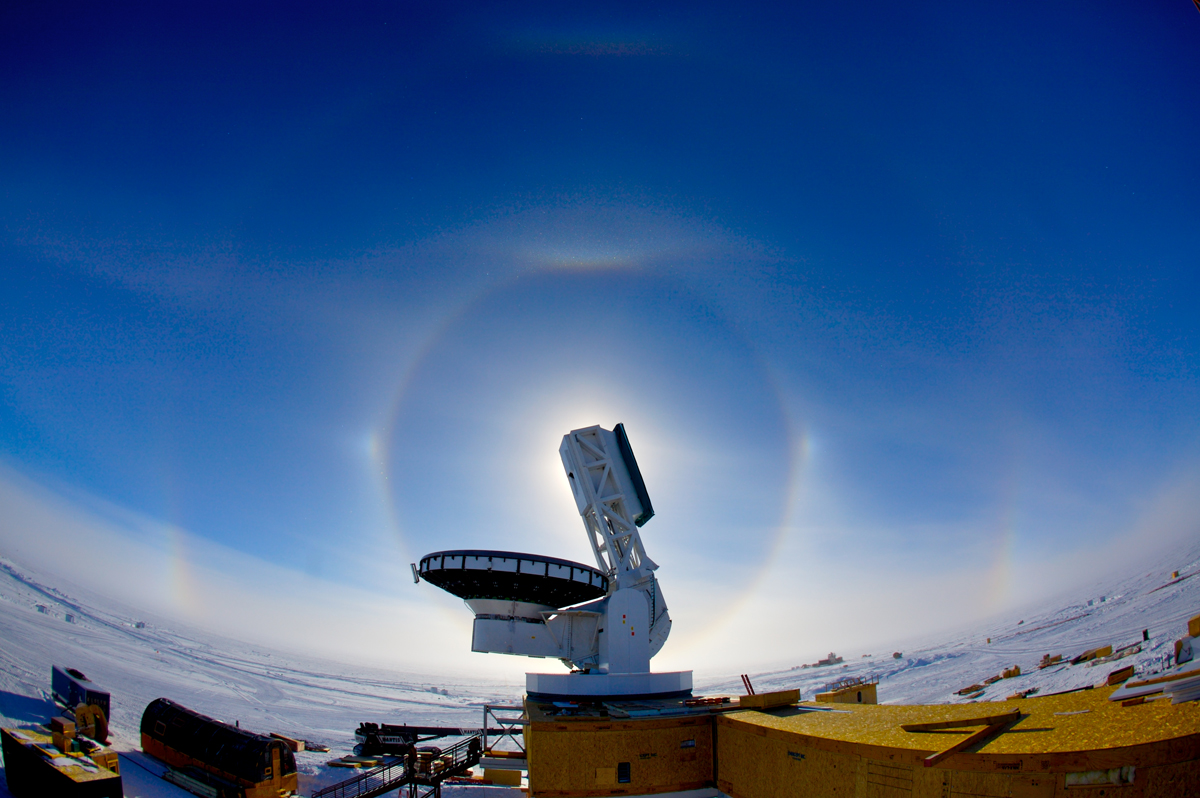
[602, 481]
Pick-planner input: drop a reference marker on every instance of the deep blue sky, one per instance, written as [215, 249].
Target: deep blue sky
[888, 297]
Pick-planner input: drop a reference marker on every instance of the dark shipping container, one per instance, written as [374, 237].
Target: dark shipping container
[72, 688]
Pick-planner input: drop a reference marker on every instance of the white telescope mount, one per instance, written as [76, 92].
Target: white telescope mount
[633, 622]
[605, 623]
[611, 505]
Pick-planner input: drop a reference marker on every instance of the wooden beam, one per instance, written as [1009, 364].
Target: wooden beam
[986, 720]
[992, 725]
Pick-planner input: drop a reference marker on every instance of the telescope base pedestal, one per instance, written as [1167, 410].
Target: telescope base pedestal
[622, 686]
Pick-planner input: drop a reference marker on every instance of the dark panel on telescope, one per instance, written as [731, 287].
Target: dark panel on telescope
[635, 475]
[512, 576]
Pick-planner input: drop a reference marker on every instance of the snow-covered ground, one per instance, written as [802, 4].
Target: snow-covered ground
[324, 701]
[1113, 612]
[262, 690]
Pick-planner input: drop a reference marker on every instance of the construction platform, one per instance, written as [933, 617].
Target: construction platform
[417, 770]
[1072, 745]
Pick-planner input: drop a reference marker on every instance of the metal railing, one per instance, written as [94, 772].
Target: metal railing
[413, 769]
[450, 762]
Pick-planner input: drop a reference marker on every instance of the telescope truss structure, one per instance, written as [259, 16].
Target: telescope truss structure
[605, 505]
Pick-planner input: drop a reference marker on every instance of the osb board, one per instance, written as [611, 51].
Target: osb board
[622, 789]
[855, 694]
[1181, 779]
[779, 698]
[751, 766]
[1038, 785]
[539, 714]
[579, 759]
[1074, 729]
[754, 766]
[510, 778]
[877, 778]
[965, 784]
[863, 752]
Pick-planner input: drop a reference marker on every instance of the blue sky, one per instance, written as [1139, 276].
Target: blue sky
[896, 303]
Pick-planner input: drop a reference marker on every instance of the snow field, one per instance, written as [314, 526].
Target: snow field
[324, 701]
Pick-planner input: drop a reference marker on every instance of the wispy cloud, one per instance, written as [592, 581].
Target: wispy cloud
[170, 572]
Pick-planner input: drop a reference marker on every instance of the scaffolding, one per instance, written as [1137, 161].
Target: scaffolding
[507, 725]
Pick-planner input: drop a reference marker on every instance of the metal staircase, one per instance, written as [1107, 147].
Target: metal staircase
[396, 772]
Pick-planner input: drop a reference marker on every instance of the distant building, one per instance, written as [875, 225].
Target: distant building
[42, 609]
[69, 618]
[139, 624]
[850, 691]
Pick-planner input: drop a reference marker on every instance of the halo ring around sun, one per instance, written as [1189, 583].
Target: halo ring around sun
[796, 441]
